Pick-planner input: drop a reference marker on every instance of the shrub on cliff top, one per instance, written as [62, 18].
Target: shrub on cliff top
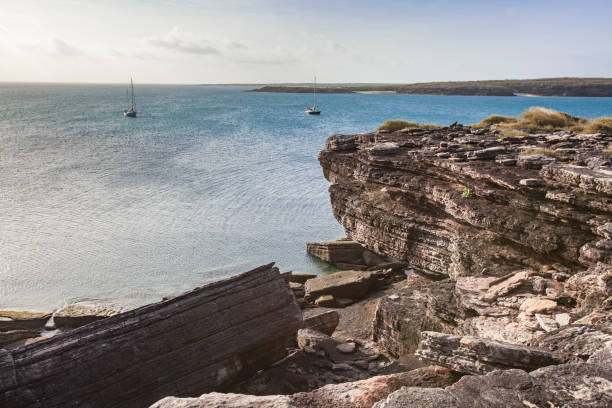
[599, 125]
[395, 124]
[537, 118]
[512, 133]
[494, 120]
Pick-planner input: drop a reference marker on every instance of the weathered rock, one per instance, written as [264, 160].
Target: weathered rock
[199, 341]
[356, 394]
[15, 320]
[300, 277]
[567, 385]
[11, 336]
[312, 338]
[80, 314]
[473, 218]
[215, 400]
[346, 347]
[423, 305]
[347, 284]
[590, 288]
[325, 322]
[325, 301]
[472, 355]
[575, 343]
[538, 305]
[343, 251]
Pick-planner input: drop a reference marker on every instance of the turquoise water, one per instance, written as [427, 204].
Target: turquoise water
[205, 183]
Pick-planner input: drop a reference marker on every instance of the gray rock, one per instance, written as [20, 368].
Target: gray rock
[473, 355]
[325, 322]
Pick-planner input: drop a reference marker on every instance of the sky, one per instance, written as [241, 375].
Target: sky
[276, 41]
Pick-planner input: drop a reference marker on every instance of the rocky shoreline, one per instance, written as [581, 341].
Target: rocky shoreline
[477, 271]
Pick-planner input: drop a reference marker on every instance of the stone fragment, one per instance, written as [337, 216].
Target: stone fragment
[325, 301]
[538, 305]
[563, 319]
[216, 400]
[312, 338]
[371, 259]
[546, 323]
[346, 347]
[531, 182]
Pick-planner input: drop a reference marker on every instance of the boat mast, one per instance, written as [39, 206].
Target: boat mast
[314, 93]
[133, 100]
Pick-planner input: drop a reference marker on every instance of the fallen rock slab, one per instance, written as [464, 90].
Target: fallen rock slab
[575, 343]
[472, 355]
[343, 251]
[196, 342]
[216, 400]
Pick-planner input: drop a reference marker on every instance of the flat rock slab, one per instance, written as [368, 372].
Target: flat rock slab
[80, 314]
[472, 355]
[343, 284]
[196, 342]
[16, 320]
[342, 251]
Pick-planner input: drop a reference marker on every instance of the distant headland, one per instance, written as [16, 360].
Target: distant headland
[599, 87]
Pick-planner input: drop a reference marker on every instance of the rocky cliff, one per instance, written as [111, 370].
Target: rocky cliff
[514, 233]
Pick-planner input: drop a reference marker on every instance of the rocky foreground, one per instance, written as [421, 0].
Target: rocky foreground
[476, 272]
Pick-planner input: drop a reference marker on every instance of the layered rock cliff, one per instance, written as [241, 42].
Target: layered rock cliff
[519, 228]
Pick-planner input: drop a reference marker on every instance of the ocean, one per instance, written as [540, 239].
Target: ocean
[207, 182]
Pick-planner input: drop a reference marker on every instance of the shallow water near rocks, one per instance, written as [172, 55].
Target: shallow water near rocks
[205, 183]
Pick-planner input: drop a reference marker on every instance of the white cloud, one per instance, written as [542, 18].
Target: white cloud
[175, 40]
[63, 49]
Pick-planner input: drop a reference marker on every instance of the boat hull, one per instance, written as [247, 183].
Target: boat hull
[313, 112]
[130, 114]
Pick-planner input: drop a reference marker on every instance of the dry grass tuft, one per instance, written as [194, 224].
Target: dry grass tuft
[512, 133]
[494, 120]
[543, 151]
[599, 125]
[395, 125]
[537, 118]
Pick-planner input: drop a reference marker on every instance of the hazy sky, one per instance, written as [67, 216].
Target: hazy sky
[206, 41]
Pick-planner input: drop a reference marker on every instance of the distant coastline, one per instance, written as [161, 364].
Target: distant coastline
[582, 87]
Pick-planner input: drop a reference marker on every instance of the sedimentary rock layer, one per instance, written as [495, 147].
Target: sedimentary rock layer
[194, 343]
[458, 202]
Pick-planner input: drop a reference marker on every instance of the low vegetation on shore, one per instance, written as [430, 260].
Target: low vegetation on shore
[534, 119]
[396, 124]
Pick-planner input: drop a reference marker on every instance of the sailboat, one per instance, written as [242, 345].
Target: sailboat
[130, 111]
[313, 110]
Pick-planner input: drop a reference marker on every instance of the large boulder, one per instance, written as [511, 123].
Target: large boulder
[421, 305]
[340, 251]
[353, 285]
[197, 342]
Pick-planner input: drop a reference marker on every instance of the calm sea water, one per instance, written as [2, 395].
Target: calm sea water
[205, 183]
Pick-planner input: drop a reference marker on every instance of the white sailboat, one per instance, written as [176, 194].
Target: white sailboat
[130, 111]
[313, 110]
